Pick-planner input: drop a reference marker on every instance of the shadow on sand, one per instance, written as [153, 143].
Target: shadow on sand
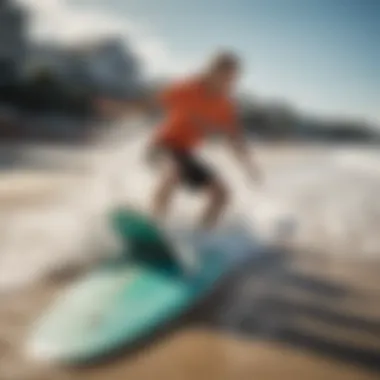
[267, 299]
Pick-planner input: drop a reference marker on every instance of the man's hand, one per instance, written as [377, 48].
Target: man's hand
[241, 152]
[113, 108]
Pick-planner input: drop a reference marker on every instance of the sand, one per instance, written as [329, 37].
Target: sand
[338, 307]
[299, 315]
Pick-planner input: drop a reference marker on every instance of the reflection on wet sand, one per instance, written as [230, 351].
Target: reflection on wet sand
[275, 318]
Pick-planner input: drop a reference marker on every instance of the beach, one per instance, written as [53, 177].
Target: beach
[305, 307]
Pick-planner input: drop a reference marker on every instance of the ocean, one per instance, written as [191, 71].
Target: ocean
[320, 198]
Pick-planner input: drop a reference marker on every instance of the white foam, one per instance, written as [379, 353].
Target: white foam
[325, 197]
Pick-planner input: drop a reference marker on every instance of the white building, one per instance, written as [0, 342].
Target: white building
[13, 42]
[110, 67]
[106, 66]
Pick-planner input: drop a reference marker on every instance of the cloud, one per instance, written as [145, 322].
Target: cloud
[62, 21]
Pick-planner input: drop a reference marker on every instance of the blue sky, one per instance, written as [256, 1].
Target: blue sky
[322, 56]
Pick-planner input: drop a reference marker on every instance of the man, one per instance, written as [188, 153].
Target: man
[194, 109]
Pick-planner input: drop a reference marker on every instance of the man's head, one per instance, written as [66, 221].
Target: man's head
[223, 70]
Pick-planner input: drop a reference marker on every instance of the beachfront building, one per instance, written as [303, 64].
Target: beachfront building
[103, 67]
[109, 66]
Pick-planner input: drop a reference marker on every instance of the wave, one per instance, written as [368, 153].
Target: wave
[325, 198]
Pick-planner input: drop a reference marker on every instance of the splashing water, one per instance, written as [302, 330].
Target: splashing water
[327, 197]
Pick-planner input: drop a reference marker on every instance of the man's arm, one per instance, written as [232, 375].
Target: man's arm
[123, 108]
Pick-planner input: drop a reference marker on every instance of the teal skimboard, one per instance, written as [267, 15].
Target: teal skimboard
[125, 299]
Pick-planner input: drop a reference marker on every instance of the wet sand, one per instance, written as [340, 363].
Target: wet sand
[270, 320]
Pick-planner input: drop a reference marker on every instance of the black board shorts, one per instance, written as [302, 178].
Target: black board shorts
[194, 172]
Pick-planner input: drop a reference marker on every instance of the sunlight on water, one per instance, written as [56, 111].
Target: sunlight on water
[327, 198]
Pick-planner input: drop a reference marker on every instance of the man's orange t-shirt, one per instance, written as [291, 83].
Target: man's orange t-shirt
[190, 105]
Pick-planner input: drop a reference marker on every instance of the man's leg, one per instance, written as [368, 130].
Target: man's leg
[164, 192]
[218, 200]
[200, 177]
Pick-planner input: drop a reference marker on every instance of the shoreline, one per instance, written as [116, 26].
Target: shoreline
[309, 315]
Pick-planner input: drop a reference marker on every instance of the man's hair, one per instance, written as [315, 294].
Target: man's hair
[224, 60]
